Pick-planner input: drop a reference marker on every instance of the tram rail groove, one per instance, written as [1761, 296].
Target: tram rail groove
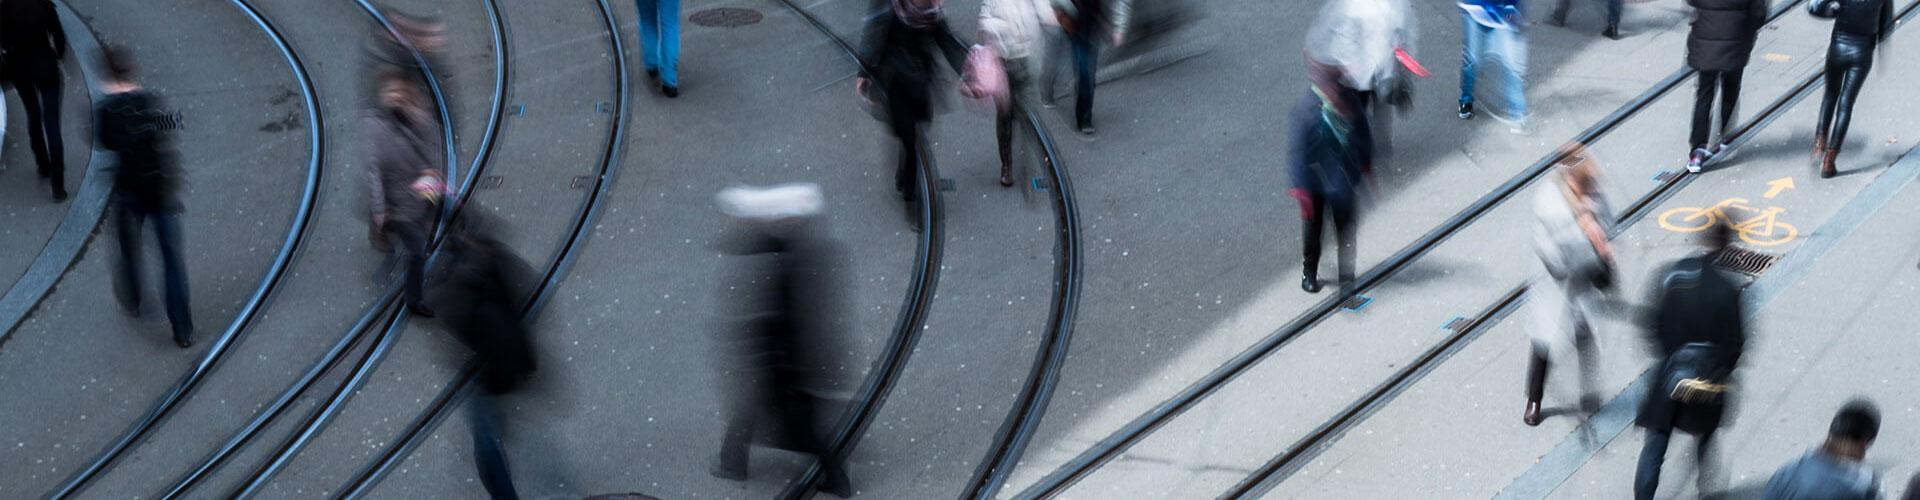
[913, 314]
[1119, 441]
[1296, 456]
[456, 390]
[250, 310]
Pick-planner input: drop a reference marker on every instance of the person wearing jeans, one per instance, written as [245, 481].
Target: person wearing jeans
[131, 125]
[1493, 30]
[1718, 46]
[660, 42]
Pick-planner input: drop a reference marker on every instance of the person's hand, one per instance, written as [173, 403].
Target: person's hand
[379, 222]
[860, 87]
[1119, 38]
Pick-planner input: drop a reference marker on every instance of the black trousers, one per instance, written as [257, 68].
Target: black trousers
[1646, 478]
[1844, 77]
[793, 412]
[41, 98]
[411, 242]
[489, 454]
[906, 178]
[1613, 10]
[1315, 211]
[1727, 84]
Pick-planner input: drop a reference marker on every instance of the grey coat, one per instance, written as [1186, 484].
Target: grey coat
[398, 152]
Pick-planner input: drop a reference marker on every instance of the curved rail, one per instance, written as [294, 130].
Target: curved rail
[383, 305]
[1114, 444]
[442, 404]
[913, 315]
[1289, 461]
[296, 236]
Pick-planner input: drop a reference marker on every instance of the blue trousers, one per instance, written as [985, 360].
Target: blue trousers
[129, 218]
[1507, 45]
[660, 38]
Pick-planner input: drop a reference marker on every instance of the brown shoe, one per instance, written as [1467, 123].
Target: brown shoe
[1827, 170]
[1006, 175]
[1532, 417]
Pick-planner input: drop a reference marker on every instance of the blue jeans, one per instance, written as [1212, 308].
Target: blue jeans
[489, 456]
[166, 228]
[660, 37]
[1086, 57]
[1507, 45]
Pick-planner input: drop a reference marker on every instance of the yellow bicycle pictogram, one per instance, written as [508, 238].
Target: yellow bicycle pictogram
[1756, 226]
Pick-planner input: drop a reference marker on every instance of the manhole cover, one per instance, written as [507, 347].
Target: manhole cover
[725, 17]
[1743, 261]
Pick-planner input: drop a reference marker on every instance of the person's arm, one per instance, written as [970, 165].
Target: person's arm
[950, 47]
[1886, 19]
[1119, 14]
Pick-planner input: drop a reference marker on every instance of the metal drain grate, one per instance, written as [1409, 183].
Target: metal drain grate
[1744, 261]
[725, 17]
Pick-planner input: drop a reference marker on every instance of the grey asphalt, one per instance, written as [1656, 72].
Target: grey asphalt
[1191, 255]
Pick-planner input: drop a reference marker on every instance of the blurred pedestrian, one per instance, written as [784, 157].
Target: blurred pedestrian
[902, 49]
[786, 336]
[1834, 470]
[1371, 41]
[1010, 30]
[1718, 46]
[1331, 160]
[1559, 17]
[660, 42]
[1913, 488]
[486, 293]
[34, 43]
[131, 125]
[1571, 239]
[1698, 328]
[1083, 22]
[1494, 29]
[403, 184]
[1858, 28]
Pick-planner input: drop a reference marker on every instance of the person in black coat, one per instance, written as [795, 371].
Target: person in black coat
[1858, 28]
[1718, 46]
[34, 43]
[486, 292]
[132, 126]
[1699, 329]
[900, 44]
[1331, 161]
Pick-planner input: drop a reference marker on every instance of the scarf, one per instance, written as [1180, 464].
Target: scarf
[917, 14]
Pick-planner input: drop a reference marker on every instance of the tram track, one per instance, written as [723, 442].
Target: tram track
[1084, 464]
[257, 302]
[1289, 461]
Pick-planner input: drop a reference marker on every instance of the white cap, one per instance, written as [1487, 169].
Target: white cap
[771, 203]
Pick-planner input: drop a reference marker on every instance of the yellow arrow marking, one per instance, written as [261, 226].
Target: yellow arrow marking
[1775, 186]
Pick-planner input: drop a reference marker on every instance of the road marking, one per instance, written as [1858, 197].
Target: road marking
[1775, 186]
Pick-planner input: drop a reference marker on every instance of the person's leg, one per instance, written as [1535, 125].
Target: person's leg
[166, 229]
[43, 134]
[1469, 62]
[1537, 365]
[1051, 67]
[1345, 230]
[1850, 82]
[1085, 58]
[412, 246]
[1003, 132]
[489, 457]
[1646, 479]
[649, 13]
[1512, 49]
[1709, 81]
[1613, 17]
[1729, 104]
[798, 418]
[56, 152]
[907, 174]
[1830, 97]
[126, 283]
[1589, 365]
[1312, 210]
[1559, 16]
[669, 20]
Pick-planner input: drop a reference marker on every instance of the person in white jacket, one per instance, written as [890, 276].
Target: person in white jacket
[1012, 29]
[1571, 239]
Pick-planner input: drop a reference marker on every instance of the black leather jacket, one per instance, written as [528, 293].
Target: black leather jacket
[1858, 26]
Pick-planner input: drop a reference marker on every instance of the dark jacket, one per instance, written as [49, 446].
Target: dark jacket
[136, 130]
[1859, 25]
[1331, 152]
[788, 340]
[399, 151]
[903, 62]
[30, 33]
[1818, 476]
[1694, 303]
[488, 287]
[1723, 33]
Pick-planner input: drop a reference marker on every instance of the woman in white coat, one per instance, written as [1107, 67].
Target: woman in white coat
[1571, 239]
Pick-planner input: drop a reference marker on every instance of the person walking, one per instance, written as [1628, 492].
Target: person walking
[1571, 240]
[660, 42]
[784, 341]
[1331, 159]
[132, 126]
[1858, 28]
[1494, 30]
[1011, 29]
[403, 185]
[1082, 22]
[901, 46]
[487, 289]
[1834, 470]
[1698, 327]
[1559, 17]
[1367, 40]
[31, 36]
[1718, 45]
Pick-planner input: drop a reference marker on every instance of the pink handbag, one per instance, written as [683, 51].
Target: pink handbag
[986, 83]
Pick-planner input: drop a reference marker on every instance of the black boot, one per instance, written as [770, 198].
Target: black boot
[1310, 282]
[1612, 32]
